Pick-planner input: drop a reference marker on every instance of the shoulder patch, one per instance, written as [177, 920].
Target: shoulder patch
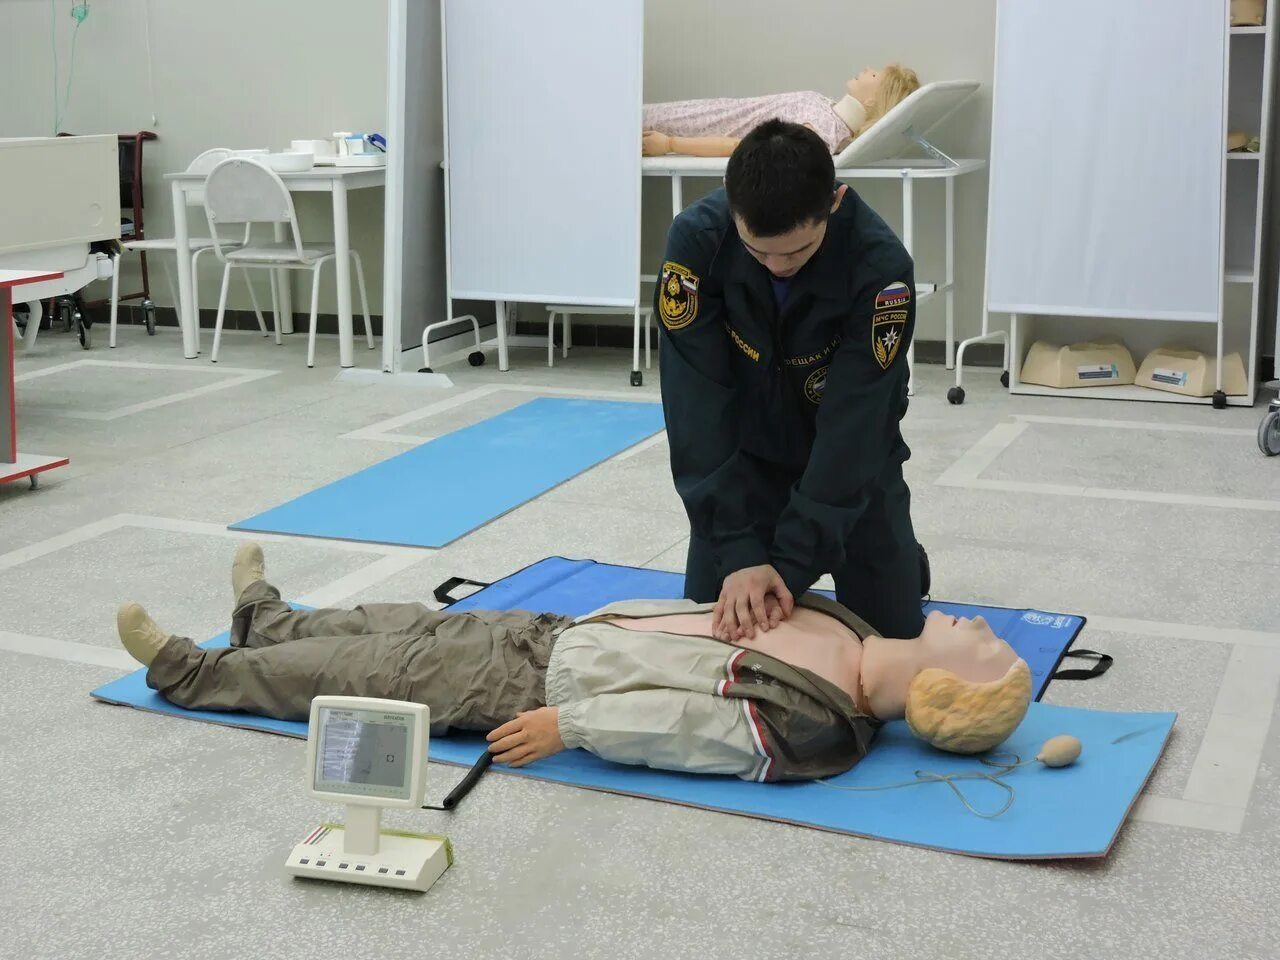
[889, 323]
[677, 296]
[894, 295]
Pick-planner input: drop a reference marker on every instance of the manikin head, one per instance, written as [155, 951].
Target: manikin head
[780, 181]
[972, 689]
[880, 89]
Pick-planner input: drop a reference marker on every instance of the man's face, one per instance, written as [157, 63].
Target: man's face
[785, 254]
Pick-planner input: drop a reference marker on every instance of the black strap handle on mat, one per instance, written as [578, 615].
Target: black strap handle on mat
[1101, 666]
[444, 592]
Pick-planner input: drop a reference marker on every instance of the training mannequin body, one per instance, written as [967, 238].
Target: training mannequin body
[713, 127]
[875, 671]
[641, 682]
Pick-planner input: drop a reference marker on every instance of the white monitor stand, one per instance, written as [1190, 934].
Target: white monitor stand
[369, 754]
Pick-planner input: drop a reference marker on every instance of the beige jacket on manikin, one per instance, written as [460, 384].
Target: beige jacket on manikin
[653, 701]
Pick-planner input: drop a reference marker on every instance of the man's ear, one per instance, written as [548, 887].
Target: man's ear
[839, 196]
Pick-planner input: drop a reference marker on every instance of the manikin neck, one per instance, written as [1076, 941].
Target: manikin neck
[888, 667]
[852, 111]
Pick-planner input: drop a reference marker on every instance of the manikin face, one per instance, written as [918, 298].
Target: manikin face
[785, 254]
[863, 87]
[967, 648]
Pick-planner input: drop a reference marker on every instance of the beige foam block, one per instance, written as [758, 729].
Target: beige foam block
[1191, 373]
[1248, 13]
[1098, 363]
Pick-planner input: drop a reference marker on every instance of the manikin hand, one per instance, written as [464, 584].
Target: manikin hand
[743, 603]
[532, 735]
[655, 144]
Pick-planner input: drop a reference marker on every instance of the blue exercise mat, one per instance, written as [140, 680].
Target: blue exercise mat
[1072, 812]
[434, 494]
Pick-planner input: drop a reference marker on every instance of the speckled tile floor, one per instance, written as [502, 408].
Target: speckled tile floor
[135, 836]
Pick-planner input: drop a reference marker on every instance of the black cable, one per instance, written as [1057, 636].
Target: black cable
[465, 784]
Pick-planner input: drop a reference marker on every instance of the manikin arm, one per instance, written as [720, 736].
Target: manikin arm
[657, 144]
[665, 729]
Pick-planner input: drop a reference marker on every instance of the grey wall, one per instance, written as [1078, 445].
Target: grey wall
[233, 73]
[261, 72]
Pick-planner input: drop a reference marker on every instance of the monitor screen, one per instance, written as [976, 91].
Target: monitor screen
[364, 752]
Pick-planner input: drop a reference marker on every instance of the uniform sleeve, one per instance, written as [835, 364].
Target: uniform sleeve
[857, 431]
[665, 729]
[701, 407]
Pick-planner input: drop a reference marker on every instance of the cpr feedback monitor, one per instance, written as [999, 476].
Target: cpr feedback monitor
[369, 754]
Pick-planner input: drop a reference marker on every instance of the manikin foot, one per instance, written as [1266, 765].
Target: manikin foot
[139, 633]
[248, 567]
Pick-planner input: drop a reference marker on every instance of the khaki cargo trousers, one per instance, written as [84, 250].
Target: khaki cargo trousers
[476, 670]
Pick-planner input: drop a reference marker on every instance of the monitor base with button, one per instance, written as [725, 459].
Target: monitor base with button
[368, 754]
[406, 861]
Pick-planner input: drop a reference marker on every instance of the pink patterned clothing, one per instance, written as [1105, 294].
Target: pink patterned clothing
[736, 117]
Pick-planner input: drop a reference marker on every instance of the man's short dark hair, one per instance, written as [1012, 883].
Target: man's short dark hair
[780, 177]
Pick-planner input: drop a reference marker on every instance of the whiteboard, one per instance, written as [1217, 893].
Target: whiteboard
[1107, 154]
[542, 147]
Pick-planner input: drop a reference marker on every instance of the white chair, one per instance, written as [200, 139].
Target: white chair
[243, 191]
[201, 164]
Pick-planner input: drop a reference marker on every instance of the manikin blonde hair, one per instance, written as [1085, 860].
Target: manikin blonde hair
[961, 716]
[896, 84]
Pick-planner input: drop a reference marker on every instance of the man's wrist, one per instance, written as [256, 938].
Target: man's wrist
[734, 555]
[797, 578]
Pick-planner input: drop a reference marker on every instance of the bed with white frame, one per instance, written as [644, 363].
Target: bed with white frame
[884, 152]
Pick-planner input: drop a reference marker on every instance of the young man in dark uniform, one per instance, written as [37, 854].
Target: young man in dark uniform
[787, 306]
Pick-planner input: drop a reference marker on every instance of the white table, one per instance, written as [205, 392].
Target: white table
[908, 171]
[13, 464]
[335, 180]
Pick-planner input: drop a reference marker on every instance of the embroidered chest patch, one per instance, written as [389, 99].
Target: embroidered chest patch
[677, 296]
[815, 385]
[752, 353]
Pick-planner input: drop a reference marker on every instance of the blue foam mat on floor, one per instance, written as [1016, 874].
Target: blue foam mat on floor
[1072, 812]
[435, 493]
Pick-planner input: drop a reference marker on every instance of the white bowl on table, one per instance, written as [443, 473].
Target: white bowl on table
[290, 161]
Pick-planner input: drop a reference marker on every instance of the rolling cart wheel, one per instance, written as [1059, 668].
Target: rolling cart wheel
[637, 378]
[476, 359]
[955, 396]
[83, 329]
[149, 314]
[35, 480]
[1269, 434]
[1219, 400]
[425, 370]
[1004, 379]
[65, 312]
